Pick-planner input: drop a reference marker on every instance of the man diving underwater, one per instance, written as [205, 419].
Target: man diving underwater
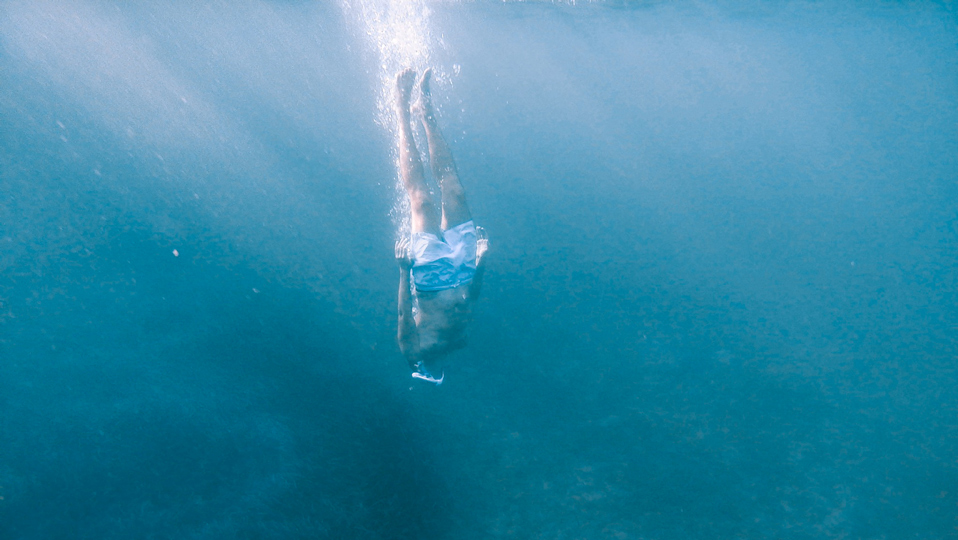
[442, 260]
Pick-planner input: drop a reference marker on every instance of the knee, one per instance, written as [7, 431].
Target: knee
[421, 202]
[419, 197]
[452, 189]
[455, 196]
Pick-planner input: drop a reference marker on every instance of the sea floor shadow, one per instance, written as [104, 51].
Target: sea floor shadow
[163, 396]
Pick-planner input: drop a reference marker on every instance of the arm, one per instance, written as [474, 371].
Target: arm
[408, 334]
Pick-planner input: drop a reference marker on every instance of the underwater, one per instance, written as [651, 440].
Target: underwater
[719, 301]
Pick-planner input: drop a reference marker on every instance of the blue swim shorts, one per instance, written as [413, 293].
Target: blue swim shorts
[447, 262]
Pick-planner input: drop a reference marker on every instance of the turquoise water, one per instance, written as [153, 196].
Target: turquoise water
[720, 299]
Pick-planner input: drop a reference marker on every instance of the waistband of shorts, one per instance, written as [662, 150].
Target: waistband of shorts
[443, 286]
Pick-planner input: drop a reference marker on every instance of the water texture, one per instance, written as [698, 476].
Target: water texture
[720, 299]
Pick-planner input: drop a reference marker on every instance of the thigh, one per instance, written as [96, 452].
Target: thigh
[455, 211]
[425, 216]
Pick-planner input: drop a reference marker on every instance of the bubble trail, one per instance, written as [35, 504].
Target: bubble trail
[397, 32]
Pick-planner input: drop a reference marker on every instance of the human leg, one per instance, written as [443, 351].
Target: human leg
[425, 215]
[455, 211]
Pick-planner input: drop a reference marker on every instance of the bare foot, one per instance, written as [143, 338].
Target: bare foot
[424, 83]
[424, 105]
[405, 80]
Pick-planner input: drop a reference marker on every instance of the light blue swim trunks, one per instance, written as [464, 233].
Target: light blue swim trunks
[444, 263]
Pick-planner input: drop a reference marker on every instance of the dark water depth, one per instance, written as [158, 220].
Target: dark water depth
[720, 301]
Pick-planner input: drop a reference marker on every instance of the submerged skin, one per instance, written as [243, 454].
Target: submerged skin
[439, 327]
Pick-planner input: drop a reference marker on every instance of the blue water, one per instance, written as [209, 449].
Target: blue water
[721, 298]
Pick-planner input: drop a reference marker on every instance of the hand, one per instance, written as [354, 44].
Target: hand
[482, 242]
[403, 255]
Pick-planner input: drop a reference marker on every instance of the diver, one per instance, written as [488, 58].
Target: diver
[440, 265]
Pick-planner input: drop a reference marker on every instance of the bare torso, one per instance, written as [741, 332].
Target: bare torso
[442, 320]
